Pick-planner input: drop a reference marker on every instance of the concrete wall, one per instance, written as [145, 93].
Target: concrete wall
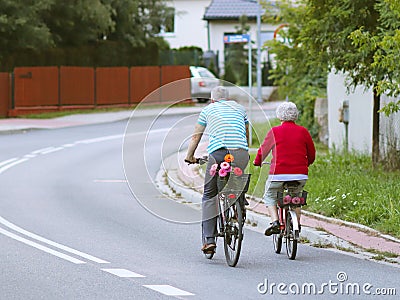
[360, 112]
[389, 128]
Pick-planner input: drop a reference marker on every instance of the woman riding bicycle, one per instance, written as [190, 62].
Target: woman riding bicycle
[293, 151]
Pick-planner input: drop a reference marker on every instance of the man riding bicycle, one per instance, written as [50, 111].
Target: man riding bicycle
[228, 132]
[292, 152]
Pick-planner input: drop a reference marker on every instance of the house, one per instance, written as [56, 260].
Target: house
[204, 23]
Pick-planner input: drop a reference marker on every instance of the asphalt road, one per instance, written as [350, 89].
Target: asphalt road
[81, 218]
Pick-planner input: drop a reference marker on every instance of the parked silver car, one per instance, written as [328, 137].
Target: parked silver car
[202, 82]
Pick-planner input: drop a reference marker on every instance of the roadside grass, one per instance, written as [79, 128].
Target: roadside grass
[67, 112]
[62, 113]
[346, 186]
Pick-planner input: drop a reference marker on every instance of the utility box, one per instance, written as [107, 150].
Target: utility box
[344, 112]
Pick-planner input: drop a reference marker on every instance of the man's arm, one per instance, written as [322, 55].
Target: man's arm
[194, 142]
[247, 134]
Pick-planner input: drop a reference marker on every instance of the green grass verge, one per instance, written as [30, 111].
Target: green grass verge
[346, 186]
[58, 114]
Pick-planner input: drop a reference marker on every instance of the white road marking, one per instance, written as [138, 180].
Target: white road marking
[123, 273]
[54, 244]
[68, 145]
[8, 161]
[30, 155]
[39, 151]
[169, 290]
[100, 139]
[111, 180]
[40, 247]
[2, 169]
[52, 149]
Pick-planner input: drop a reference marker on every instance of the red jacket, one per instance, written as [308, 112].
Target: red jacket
[292, 149]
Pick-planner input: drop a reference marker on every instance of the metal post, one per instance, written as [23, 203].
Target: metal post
[259, 98]
[250, 90]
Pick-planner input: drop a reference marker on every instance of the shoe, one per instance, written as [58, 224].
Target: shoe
[273, 229]
[208, 248]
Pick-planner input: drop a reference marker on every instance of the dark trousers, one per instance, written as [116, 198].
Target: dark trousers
[210, 199]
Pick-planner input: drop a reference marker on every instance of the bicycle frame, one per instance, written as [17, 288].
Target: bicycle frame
[289, 224]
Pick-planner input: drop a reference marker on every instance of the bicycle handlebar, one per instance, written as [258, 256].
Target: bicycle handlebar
[199, 160]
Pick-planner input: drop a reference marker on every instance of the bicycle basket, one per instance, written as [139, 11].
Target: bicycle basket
[234, 183]
[294, 200]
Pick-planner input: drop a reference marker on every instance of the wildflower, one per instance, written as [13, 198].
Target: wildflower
[213, 172]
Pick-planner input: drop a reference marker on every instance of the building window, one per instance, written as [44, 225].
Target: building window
[168, 22]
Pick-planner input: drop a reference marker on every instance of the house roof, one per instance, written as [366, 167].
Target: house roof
[231, 9]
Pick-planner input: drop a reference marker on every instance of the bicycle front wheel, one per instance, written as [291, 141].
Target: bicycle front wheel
[277, 241]
[291, 239]
[233, 233]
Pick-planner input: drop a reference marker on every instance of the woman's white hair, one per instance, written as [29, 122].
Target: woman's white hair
[287, 111]
[219, 93]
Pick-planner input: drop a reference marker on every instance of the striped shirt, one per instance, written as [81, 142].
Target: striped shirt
[225, 123]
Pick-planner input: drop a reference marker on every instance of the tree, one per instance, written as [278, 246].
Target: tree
[336, 34]
[386, 48]
[77, 22]
[76, 31]
[139, 22]
[299, 76]
[21, 25]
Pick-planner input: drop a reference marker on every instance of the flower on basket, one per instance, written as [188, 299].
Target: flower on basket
[213, 169]
[225, 166]
[296, 200]
[213, 172]
[287, 199]
[237, 171]
[223, 172]
[229, 158]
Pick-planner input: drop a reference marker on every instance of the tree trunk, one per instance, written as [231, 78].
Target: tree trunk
[375, 129]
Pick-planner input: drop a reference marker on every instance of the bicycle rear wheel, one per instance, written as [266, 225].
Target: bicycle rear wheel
[233, 233]
[291, 239]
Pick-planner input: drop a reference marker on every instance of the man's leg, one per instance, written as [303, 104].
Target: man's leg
[209, 200]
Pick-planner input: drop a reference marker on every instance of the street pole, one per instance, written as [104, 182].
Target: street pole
[250, 90]
[259, 98]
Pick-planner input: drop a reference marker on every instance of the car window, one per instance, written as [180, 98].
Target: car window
[206, 73]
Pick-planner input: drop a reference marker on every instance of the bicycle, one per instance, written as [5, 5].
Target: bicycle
[288, 201]
[231, 213]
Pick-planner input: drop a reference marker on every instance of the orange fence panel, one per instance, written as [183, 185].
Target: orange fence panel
[35, 86]
[145, 82]
[112, 85]
[175, 82]
[55, 88]
[76, 86]
[4, 94]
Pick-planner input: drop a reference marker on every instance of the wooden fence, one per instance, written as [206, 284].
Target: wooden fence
[39, 89]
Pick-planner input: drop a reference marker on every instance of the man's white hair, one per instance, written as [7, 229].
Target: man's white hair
[219, 93]
[287, 111]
